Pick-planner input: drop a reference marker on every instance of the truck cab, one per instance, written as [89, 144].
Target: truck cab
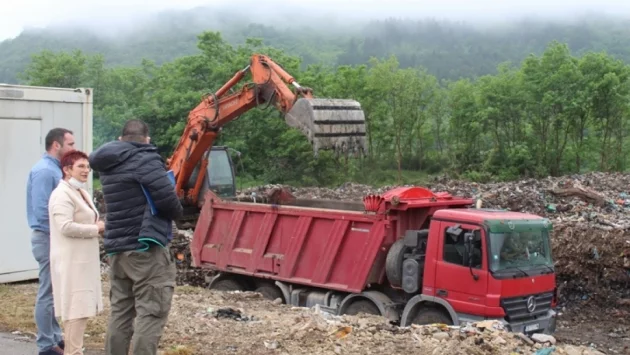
[485, 264]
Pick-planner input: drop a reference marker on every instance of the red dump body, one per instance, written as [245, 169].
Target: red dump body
[337, 249]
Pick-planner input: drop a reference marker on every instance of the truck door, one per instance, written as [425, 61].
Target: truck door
[464, 288]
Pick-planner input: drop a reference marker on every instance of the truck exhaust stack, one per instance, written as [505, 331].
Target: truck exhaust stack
[331, 124]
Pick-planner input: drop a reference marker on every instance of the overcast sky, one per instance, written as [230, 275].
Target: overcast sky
[40, 13]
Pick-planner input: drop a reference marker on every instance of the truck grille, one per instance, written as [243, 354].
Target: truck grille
[516, 308]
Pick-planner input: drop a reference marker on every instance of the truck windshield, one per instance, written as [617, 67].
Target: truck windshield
[525, 250]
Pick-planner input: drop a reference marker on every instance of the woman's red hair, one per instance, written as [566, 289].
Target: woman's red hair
[70, 158]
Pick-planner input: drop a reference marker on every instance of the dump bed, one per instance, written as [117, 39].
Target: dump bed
[339, 249]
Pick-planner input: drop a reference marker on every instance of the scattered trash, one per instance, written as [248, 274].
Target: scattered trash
[545, 351]
[272, 345]
[343, 332]
[230, 313]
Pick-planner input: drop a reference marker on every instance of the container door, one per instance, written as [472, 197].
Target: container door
[20, 147]
[464, 288]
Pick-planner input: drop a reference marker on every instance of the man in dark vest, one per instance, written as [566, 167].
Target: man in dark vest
[136, 238]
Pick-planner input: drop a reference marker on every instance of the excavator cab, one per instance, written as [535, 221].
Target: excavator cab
[220, 176]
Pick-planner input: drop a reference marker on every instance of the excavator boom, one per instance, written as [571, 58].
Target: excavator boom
[328, 124]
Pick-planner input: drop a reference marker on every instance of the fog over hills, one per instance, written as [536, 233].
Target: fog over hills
[453, 39]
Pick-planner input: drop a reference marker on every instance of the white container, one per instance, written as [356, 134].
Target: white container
[27, 113]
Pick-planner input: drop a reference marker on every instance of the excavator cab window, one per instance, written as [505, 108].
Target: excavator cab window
[221, 173]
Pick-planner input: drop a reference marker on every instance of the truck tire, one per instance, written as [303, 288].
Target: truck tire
[431, 315]
[393, 263]
[362, 306]
[270, 292]
[227, 285]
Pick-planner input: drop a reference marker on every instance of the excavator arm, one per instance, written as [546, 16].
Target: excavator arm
[329, 124]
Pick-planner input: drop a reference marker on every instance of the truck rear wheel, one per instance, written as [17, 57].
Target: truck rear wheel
[270, 292]
[426, 315]
[362, 306]
[227, 285]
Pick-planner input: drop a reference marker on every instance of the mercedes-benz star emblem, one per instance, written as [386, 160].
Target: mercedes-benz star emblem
[531, 304]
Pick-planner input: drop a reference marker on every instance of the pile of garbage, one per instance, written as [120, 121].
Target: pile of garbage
[244, 323]
[186, 273]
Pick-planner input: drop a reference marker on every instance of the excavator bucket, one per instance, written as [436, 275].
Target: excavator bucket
[330, 124]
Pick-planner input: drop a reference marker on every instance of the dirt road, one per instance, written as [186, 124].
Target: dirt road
[17, 344]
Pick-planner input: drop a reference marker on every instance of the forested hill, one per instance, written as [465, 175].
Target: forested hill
[449, 50]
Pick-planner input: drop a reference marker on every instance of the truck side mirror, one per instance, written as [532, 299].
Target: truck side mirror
[468, 244]
[469, 239]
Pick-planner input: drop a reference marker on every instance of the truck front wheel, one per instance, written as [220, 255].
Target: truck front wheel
[427, 315]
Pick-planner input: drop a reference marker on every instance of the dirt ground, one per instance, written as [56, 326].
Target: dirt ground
[609, 332]
[212, 322]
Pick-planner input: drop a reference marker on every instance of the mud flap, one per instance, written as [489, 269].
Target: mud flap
[331, 124]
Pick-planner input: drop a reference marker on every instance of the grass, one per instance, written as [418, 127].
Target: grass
[16, 307]
[390, 177]
[17, 303]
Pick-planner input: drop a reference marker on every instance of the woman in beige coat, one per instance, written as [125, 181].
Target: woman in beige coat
[74, 251]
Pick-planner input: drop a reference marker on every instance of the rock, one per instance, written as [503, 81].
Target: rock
[544, 338]
[499, 340]
[572, 350]
[592, 352]
[524, 338]
[271, 344]
[441, 335]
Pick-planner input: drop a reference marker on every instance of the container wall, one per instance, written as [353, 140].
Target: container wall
[26, 116]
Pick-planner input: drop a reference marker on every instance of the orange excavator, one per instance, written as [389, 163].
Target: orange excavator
[328, 124]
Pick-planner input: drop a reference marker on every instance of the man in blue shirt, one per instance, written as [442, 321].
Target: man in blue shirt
[42, 180]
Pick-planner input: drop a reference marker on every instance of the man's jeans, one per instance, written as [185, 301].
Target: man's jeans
[48, 330]
[142, 285]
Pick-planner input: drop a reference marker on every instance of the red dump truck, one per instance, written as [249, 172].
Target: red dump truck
[410, 255]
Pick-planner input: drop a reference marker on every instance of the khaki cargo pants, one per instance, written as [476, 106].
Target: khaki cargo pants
[142, 286]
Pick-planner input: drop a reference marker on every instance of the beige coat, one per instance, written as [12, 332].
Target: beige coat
[75, 268]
